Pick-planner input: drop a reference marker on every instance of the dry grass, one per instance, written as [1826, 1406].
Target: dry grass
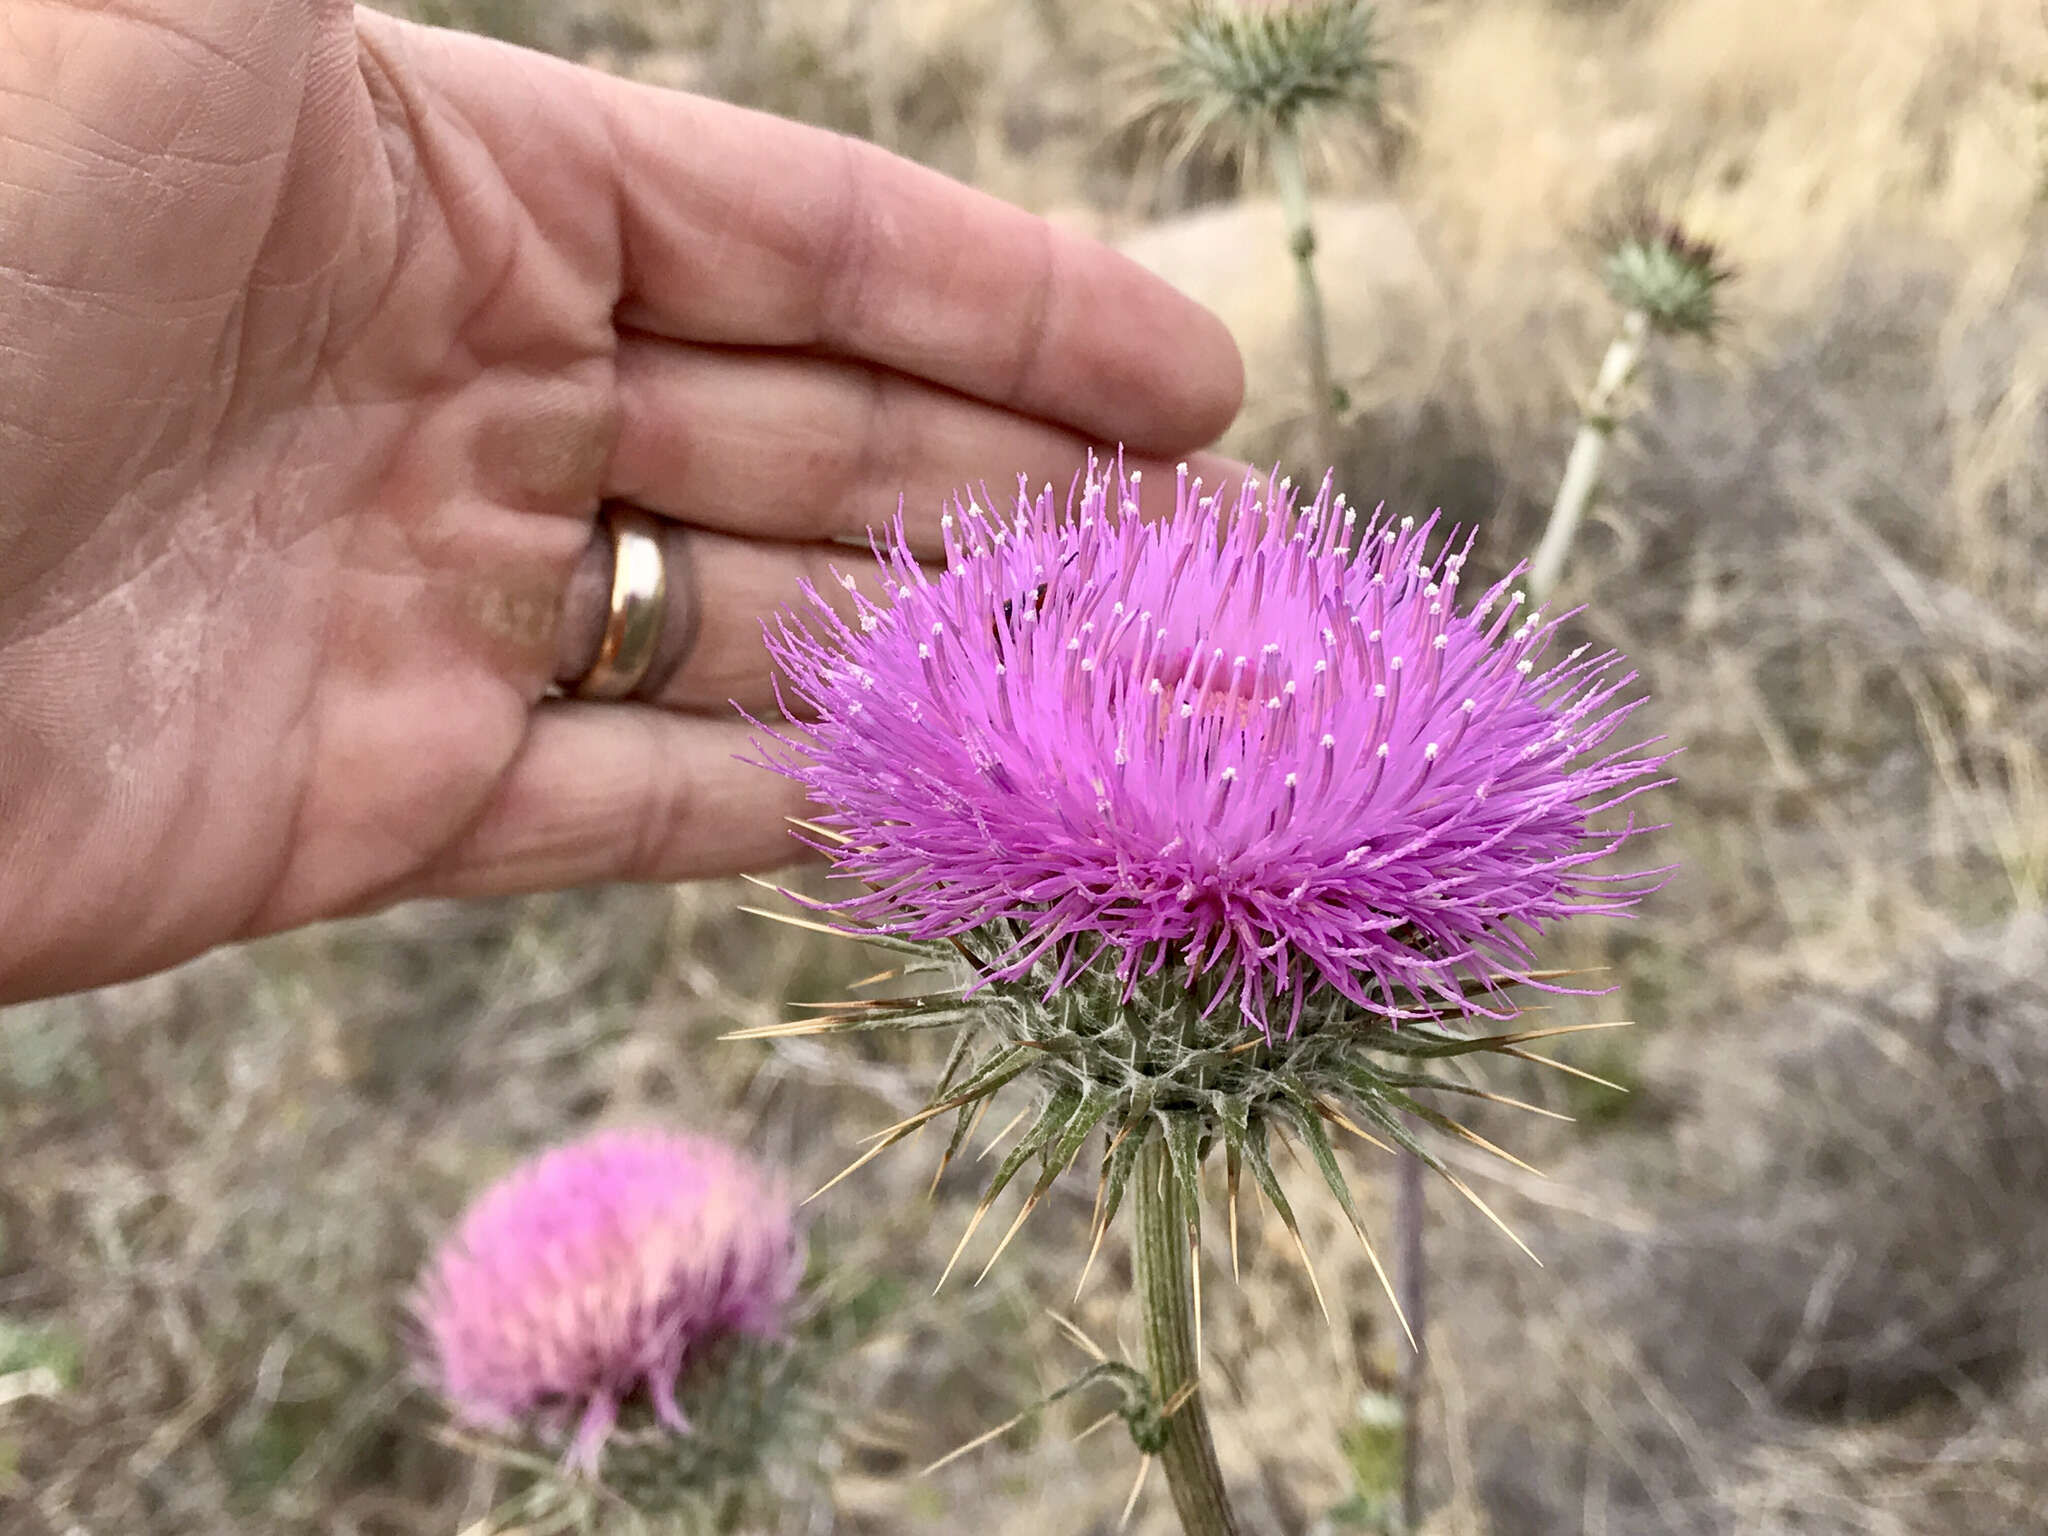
[1794, 1279]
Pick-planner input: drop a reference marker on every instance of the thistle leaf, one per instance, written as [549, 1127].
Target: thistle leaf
[963, 1044]
[880, 940]
[1183, 1133]
[1058, 1110]
[1338, 1118]
[1261, 1164]
[1003, 1135]
[1445, 1123]
[1407, 1080]
[1391, 1124]
[968, 1116]
[1002, 1068]
[1234, 1117]
[865, 1021]
[1117, 1163]
[1310, 1125]
[1561, 1066]
[1056, 1152]
[1093, 1109]
[1421, 1042]
[1055, 1113]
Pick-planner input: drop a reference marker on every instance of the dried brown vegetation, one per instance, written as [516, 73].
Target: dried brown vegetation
[1794, 1279]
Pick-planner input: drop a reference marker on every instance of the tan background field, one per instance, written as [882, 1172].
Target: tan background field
[1795, 1281]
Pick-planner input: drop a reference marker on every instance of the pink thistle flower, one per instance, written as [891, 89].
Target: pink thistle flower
[1259, 743]
[600, 1269]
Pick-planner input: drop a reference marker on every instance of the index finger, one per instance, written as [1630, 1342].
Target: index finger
[745, 229]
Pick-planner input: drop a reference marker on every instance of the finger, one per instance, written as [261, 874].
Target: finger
[712, 652]
[607, 792]
[744, 229]
[717, 224]
[799, 448]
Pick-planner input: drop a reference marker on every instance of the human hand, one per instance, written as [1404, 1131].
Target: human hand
[323, 337]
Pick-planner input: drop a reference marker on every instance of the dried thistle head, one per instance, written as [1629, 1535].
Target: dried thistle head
[1653, 264]
[1217, 828]
[1237, 73]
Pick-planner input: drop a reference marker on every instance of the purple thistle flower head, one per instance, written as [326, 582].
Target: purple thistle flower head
[598, 1270]
[1262, 745]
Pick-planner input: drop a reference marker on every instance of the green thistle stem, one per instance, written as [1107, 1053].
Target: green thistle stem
[1290, 176]
[1589, 452]
[1164, 1256]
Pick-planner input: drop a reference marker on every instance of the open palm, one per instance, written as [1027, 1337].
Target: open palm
[323, 337]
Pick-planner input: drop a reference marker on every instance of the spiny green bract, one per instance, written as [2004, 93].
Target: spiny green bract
[1175, 1061]
[756, 1424]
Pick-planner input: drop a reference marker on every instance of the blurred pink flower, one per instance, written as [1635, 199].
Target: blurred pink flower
[599, 1269]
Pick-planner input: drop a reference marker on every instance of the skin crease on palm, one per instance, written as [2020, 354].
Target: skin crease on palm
[323, 339]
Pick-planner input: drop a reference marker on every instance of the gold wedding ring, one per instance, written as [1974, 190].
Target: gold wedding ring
[632, 626]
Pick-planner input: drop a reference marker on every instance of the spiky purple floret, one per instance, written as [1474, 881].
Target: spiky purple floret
[1249, 740]
[597, 1270]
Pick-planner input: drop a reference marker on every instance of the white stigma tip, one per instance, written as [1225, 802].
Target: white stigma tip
[1525, 666]
[1429, 752]
[1329, 741]
[1290, 781]
[1382, 751]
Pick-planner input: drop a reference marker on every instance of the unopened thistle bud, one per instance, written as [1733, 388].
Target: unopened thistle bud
[1245, 71]
[1226, 824]
[623, 1302]
[1654, 266]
